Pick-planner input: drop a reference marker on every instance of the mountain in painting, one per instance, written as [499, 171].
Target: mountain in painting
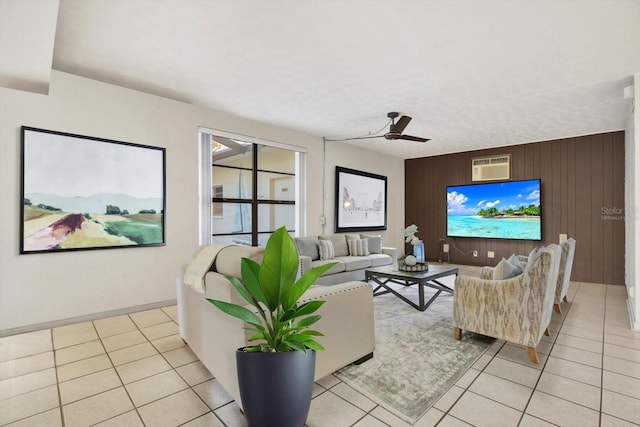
[96, 203]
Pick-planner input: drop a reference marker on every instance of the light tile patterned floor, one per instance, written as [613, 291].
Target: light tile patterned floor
[134, 370]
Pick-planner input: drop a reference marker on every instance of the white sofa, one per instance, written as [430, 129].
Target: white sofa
[214, 336]
[349, 267]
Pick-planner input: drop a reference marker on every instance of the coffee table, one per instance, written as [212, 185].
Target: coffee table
[385, 275]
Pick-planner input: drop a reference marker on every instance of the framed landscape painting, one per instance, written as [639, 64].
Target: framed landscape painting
[361, 201]
[81, 192]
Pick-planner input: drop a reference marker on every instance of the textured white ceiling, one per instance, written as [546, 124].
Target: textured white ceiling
[472, 74]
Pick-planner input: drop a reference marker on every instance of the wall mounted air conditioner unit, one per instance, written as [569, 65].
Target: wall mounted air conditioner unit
[491, 168]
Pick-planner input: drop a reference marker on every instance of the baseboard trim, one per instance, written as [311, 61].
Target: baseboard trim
[635, 323]
[85, 318]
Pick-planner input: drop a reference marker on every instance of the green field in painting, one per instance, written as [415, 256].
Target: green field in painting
[141, 232]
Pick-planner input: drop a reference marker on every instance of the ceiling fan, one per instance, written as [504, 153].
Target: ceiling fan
[396, 128]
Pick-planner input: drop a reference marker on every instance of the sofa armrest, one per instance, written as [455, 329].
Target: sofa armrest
[486, 273]
[305, 264]
[347, 323]
[392, 252]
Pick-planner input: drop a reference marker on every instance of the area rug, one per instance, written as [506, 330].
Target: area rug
[416, 359]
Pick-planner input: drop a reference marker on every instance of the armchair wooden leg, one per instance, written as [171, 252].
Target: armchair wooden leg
[547, 333]
[556, 307]
[564, 298]
[531, 351]
[457, 333]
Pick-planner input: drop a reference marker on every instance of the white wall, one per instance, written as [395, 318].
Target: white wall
[632, 207]
[50, 287]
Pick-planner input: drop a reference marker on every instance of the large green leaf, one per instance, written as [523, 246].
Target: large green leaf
[250, 271]
[308, 307]
[237, 311]
[301, 286]
[308, 321]
[314, 345]
[279, 267]
[242, 290]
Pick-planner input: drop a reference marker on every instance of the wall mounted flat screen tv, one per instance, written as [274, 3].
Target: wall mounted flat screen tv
[497, 210]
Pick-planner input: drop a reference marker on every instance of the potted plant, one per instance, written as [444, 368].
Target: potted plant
[275, 375]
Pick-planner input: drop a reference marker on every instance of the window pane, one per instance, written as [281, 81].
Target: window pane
[264, 237]
[272, 217]
[216, 208]
[237, 239]
[236, 218]
[236, 184]
[275, 186]
[276, 159]
[230, 152]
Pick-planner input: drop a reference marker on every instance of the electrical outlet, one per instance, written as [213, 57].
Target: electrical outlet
[475, 253]
[562, 238]
[491, 254]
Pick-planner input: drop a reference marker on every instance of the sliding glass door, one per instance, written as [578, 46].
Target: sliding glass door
[253, 190]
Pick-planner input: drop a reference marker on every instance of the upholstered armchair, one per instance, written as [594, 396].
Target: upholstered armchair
[564, 274]
[517, 310]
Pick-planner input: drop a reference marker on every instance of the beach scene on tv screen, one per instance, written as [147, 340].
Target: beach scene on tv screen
[505, 210]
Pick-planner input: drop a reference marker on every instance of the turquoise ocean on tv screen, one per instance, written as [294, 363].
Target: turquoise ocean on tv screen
[499, 228]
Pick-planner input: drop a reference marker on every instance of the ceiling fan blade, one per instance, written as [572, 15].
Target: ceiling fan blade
[401, 124]
[411, 138]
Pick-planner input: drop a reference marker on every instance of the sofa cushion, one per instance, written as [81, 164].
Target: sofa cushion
[352, 263]
[378, 260]
[375, 243]
[228, 259]
[338, 268]
[308, 246]
[358, 247]
[326, 249]
[339, 244]
[505, 270]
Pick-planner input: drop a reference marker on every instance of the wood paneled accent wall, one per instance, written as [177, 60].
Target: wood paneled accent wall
[582, 196]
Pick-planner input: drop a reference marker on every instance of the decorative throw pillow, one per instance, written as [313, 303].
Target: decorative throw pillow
[308, 246]
[513, 260]
[351, 237]
[375, 243]
[326, 249]
[358, 247]
[339, 244]
[505, 270]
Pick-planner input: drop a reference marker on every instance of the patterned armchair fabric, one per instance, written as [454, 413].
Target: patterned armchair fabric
[568, 248]
[564, 274]
[517, 309]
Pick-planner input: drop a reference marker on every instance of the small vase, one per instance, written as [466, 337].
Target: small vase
[418, 252]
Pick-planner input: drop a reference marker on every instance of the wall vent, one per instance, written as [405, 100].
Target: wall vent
[491, 168]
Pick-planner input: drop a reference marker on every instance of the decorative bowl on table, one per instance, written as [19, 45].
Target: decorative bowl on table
[412, 266]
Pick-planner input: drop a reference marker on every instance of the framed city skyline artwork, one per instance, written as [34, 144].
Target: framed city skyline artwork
[361, 201]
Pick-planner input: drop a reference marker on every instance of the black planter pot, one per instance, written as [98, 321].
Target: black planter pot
[276, 388]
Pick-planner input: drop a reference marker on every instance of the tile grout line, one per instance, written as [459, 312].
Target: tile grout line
[535, 386]
[55, 368]
[602, 358]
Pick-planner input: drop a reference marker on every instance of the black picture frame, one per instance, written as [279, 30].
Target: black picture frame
[82, 193]
[361, 201]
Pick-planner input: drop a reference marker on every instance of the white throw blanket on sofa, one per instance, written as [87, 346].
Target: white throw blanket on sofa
[200, 265]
